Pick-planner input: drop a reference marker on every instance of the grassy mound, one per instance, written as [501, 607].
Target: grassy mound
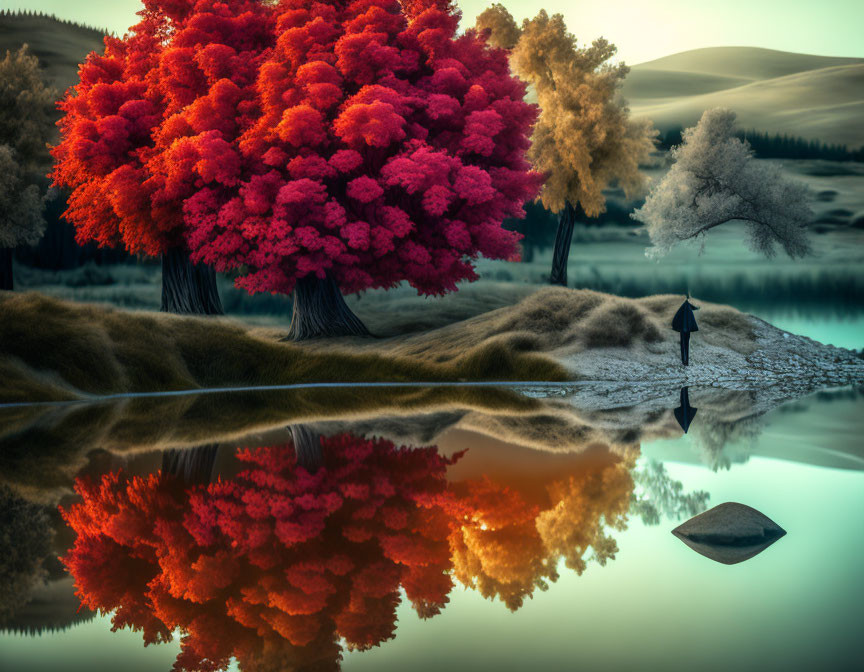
[52, 350]
[559, 322]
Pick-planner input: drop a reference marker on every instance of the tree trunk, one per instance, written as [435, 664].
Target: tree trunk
[320, 311]
[187, 288]
[527, 253]
[193, 466]
[307, 447]
[6, 254]
[561, 253]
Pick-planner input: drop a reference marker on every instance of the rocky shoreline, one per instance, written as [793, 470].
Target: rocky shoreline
[780, 366]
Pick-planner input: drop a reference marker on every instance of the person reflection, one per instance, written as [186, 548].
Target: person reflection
[685, 413]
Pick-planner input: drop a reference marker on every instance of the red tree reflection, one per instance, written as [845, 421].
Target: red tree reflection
[274, 565]
[277, 565]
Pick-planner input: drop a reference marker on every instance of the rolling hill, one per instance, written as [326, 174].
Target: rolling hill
[816, 97]
[60, 45]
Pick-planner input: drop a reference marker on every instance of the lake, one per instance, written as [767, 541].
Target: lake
[545, 544]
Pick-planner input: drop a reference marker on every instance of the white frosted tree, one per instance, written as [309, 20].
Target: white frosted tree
[714, 179]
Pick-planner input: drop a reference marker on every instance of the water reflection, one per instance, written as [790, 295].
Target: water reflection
[276, 563]
[284, 544]
[26, 544]
[685, 413]
[43, 449]
[292, 559]
[658, 495]
[36, 595]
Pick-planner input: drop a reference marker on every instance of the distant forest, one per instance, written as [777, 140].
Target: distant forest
[768, 146]
[21, 13]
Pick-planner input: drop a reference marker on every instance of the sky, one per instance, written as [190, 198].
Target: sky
[642, 29]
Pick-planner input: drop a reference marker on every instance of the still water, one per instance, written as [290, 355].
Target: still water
[527, 533]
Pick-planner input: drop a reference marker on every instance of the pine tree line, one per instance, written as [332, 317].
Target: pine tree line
[790, 147]
[777, 146]
[29, 13]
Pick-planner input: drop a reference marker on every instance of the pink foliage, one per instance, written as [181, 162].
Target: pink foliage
[400, 147]
[363, 139]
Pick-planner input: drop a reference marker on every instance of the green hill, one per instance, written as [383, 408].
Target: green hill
[743, 62]
[60, 45]
[817, 97]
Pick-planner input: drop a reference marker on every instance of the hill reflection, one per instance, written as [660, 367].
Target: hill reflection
[43, 449]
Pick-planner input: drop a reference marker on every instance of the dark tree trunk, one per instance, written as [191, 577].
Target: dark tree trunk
[187, 288]
[6, 254]
[307, 447]
[561, 253]
[320, 311]
[527, 253]
[193, 466]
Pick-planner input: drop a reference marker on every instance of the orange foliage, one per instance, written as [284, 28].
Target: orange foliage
[506, 547]
[277, 564]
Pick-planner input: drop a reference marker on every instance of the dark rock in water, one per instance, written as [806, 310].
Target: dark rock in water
[729, 533]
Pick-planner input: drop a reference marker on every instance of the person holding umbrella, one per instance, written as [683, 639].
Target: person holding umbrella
[684, 322]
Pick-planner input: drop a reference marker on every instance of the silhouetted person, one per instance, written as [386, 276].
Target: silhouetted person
[685, 412]
[685, 323]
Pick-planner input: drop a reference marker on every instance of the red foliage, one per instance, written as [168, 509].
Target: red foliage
[277, 559]
[152, 121]
[279, 563]
[364, 139]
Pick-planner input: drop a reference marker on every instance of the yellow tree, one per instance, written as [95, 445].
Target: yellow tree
[584, 140]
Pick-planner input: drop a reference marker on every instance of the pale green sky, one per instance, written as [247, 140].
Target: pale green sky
[642, 29]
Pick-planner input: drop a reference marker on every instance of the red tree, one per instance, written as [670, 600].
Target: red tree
[275, 564]
[387, 149]
[315, 147]
[175, 91]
